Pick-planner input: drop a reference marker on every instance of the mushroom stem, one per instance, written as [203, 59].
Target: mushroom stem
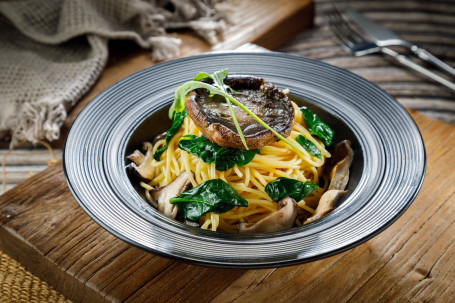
[340, 172]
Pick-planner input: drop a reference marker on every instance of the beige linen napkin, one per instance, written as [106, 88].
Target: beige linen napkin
[52, 52]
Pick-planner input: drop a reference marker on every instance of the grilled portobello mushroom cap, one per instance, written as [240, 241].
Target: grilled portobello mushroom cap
[212, 116]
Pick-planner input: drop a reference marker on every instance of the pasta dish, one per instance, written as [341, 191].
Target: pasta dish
[228, 172]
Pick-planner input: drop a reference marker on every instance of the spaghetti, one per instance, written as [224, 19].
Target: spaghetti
[275, 160]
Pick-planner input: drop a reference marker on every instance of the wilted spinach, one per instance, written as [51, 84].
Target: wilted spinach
[211, 196]
[175, 126]
[309, 146]
[287, 187]
[224, 158]
[317, 127]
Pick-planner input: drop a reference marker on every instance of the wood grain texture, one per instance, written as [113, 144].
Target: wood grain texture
[414, 259]
[43, 227]
[428, 24]
[22, 163]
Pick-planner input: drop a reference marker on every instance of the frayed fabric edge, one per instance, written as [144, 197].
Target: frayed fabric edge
[37, 121]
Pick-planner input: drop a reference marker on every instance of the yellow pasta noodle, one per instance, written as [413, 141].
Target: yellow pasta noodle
[275, 160]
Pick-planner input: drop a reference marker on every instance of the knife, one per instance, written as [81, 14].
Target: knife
[384, 37]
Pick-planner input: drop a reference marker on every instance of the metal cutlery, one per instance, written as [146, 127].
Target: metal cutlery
[384, 37]
[354, 42]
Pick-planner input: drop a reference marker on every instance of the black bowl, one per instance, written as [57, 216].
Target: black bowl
[386, 175]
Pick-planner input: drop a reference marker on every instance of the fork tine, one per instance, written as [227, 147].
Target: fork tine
[341, 29]
[351, 31]
[336, 31]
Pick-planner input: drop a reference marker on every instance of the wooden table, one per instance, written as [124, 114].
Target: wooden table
[43, 227]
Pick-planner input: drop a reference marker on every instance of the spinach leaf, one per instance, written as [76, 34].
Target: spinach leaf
[317, 127]
[200, 147]
[287, 187]
[211, 196]
[175, 126]
[229, 157]
[309, 146]
[209, 152]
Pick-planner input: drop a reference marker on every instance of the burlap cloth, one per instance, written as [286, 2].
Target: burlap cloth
[52, 52]
[19, 285]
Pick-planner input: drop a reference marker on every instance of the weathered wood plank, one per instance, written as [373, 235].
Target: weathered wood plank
[411, 260]
[21, 164]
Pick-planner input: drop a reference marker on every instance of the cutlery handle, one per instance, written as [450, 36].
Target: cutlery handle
[429, 57]
[411, 64]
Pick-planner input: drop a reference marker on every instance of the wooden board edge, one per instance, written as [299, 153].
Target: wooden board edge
[301, 19]
[39, 265]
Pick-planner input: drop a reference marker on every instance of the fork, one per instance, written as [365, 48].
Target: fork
[352, 41]
[383, 37]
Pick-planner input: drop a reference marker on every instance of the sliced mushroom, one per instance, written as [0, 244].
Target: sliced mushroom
[142, 164]
[340, 172]
[283, 218]
[137, 157]
[339, 176]
[326, 204]
[163, 194]
[212, 116]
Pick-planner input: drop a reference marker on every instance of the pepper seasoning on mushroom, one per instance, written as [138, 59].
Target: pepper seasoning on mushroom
[213, 118]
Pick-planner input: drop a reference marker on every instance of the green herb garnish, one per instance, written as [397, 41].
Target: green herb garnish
[211, 196]
[224, 158]
[218, 82]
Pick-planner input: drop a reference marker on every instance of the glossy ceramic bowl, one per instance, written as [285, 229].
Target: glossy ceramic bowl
[386, 175]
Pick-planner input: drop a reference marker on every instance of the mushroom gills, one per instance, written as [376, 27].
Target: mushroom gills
[282, 219]
[339, 177]
[163, 194]
[212, 116]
